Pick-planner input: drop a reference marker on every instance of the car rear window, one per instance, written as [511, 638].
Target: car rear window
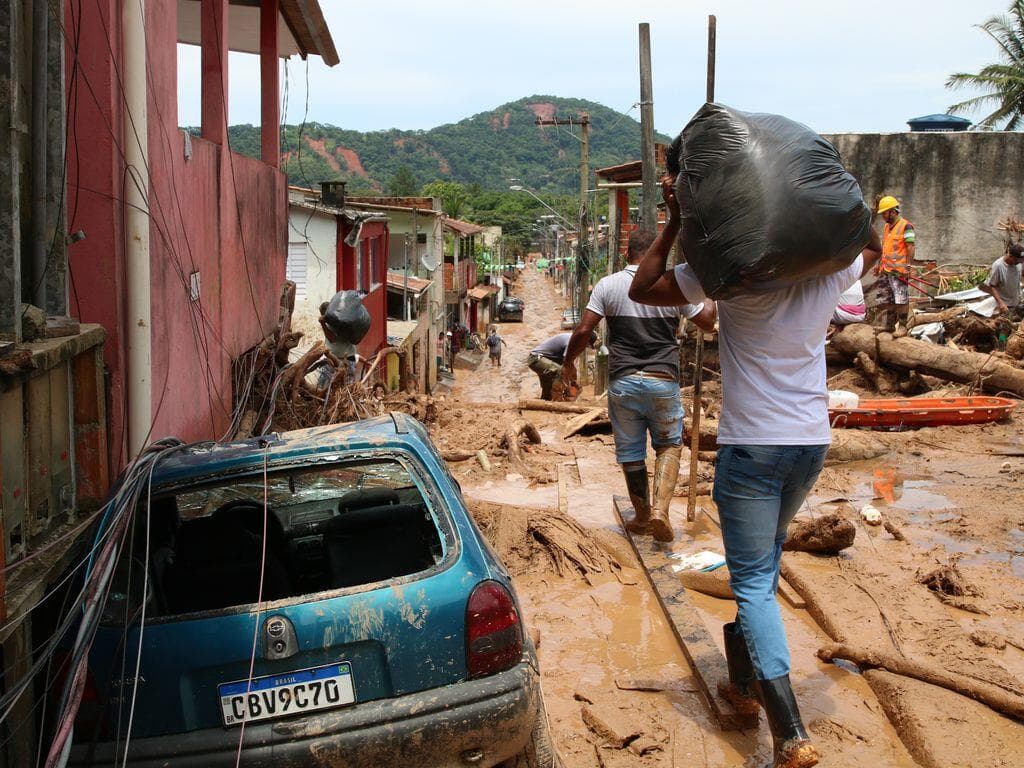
[326, 528]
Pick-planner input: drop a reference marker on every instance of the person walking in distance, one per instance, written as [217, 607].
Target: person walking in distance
[494, 343]
[643, 389]
[773, 434]
[899, 244]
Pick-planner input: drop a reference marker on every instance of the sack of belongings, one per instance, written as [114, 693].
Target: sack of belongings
[765, 202]
[347, 319]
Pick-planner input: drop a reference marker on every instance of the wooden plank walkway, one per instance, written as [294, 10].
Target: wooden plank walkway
[707, 662]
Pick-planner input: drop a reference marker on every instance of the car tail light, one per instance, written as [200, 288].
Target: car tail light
[494, 634]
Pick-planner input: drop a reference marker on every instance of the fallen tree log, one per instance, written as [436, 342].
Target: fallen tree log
[883, 380]
[990, 373]
[923, 318]
[988, 694]
[553, 407]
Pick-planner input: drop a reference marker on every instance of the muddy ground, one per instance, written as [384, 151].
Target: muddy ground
[953, 503]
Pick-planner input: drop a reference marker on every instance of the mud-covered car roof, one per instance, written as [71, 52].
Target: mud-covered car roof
[395, 430]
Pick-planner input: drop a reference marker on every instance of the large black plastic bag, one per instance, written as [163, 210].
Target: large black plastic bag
[765, 202]
[348, 319]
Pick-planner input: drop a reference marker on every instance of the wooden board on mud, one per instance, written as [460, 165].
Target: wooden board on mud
[701, 652]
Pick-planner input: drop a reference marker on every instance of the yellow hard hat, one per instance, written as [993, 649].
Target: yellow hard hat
[887, 203]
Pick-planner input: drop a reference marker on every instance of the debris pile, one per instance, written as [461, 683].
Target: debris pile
[542, 541]
[316, 389]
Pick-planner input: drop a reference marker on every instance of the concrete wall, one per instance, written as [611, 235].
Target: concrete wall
[954, 187]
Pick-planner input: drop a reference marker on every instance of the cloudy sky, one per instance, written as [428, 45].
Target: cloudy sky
[833, 64]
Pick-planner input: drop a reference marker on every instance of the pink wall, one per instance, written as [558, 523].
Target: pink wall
[217, 213]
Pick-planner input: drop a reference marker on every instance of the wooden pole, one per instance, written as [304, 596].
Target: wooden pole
[649, 212]
[712, 23]
[698, 356]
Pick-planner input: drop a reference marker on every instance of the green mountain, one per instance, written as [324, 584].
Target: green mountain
[486, 149]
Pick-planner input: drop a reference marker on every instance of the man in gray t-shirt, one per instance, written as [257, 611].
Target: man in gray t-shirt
[1003, 282]
[643, 385]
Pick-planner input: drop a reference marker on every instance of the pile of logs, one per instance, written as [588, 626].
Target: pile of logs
[894, 364]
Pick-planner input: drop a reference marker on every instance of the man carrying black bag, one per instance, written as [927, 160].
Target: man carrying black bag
[773, 436]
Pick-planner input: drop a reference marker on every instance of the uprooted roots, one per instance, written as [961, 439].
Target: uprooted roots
[542, 541]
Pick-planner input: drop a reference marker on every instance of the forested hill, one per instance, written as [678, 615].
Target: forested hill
[487, 149]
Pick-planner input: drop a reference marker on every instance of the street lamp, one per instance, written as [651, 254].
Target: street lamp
[521, 188]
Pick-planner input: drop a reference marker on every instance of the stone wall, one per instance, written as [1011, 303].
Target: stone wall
[954, 187]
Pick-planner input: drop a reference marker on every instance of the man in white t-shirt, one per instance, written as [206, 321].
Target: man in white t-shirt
[773, 434]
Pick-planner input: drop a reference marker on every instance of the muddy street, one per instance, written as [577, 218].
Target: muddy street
[617, 686]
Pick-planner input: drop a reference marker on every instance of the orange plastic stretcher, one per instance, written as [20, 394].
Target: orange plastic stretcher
[895, 413]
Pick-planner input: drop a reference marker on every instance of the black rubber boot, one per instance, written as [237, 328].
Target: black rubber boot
[792, 745]
[738, 691]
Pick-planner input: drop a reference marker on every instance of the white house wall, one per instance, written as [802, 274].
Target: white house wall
[320, 234]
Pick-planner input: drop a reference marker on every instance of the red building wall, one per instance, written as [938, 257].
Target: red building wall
[216, 213]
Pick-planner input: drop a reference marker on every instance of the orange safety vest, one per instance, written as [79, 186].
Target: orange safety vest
[894, 248]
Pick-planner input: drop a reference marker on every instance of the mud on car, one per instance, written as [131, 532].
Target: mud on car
[318, 597]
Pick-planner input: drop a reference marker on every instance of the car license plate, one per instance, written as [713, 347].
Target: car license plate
[289, 693]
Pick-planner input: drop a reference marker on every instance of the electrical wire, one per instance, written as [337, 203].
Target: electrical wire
[259, 598]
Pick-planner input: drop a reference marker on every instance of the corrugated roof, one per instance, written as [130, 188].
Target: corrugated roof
[464, 228]
[631, 171]
[417, 285]
[481, 292]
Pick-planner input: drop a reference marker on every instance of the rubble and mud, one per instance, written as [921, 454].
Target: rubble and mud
[608, 647]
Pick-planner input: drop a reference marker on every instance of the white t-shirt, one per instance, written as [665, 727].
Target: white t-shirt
[772, 351]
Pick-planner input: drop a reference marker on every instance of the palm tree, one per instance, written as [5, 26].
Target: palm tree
[1003, 81]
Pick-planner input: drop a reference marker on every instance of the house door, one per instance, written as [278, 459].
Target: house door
[472, 316]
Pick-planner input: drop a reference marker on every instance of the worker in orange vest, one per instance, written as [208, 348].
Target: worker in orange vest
[892, 295]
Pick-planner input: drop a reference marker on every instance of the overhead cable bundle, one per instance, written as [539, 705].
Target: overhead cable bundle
[765, 202]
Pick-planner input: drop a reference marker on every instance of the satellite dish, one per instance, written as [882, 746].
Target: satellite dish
[429, 262]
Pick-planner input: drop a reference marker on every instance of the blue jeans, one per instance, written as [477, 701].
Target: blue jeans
[758, 491]
[638, 405]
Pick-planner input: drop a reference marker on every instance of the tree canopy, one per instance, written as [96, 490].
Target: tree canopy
[1004, 81]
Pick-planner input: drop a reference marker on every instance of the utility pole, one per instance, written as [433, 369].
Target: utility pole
[698, 352]
[649, 211]
[582, 265]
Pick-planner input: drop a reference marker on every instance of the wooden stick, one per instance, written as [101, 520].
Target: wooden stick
[553, 407]
[698, 378]
[987, 693]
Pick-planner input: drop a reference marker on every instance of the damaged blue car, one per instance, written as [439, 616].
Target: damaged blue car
[318, 597]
